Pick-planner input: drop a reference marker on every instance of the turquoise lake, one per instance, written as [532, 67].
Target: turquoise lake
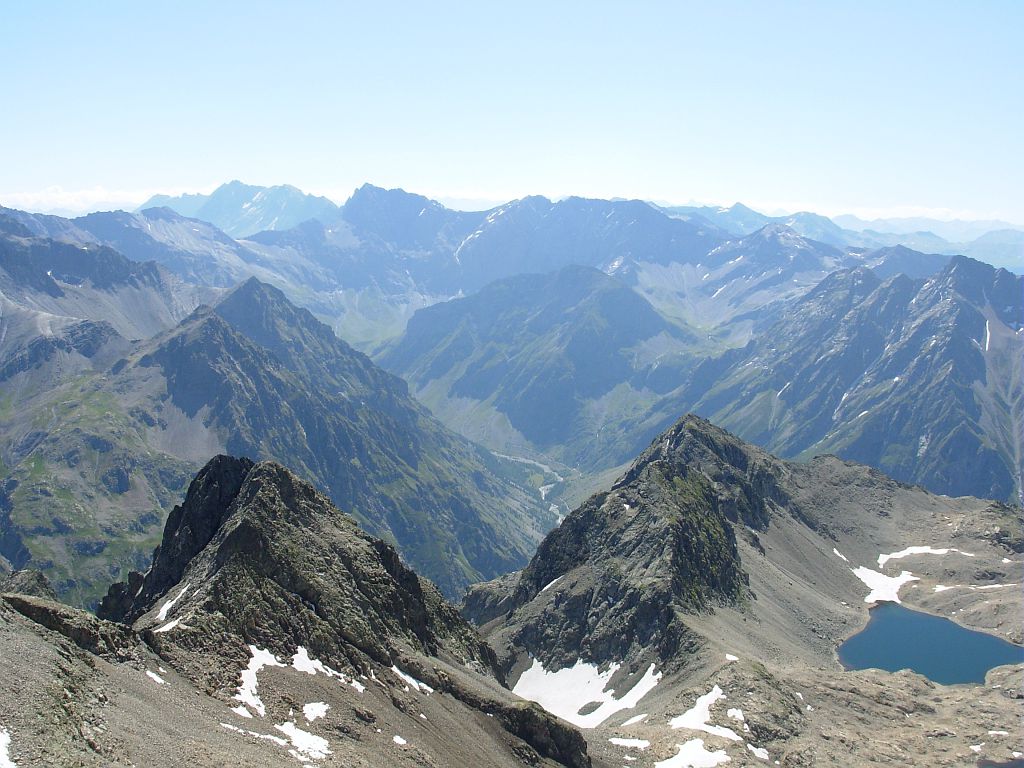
[941, 650]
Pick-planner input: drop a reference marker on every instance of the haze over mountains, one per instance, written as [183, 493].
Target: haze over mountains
[800, 345]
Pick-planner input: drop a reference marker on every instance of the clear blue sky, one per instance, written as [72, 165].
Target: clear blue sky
[832, 106]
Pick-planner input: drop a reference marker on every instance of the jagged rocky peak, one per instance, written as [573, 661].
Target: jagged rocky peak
[618, 577]
[258, 555]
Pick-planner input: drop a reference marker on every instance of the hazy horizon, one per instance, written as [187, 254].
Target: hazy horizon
[469, 204]
[866, 109]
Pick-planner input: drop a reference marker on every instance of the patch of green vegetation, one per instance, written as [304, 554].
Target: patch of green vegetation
[36, 466]
[691, 490]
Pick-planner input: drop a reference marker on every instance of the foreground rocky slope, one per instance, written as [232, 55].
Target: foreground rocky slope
[269, 631]
[712, 568]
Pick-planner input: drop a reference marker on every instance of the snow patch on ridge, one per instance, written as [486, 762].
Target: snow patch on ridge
[302, 662]
[314, 710]
[412, 681]
[247, 694]
[306, 746]
[554, 581]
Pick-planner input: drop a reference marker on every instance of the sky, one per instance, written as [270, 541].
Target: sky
[872, 108]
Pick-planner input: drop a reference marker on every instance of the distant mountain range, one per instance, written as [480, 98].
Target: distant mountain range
[918, 377]
[996, 242]
[550, 364]
[242, 209]
[563, 334]
[272, 528]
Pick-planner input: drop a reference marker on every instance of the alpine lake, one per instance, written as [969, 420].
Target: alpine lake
[898, 638]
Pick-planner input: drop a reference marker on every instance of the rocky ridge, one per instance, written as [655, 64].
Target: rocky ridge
[269, 630]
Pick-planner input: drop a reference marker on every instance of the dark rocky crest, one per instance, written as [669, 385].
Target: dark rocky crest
[263, 556]
[618, 577]
[257, 557]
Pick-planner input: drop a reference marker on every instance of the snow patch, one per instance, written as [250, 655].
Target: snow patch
[241, 711]
[155, 678]
[306, 745]
[565, 692]
[554, 581]
[634, 720]
[247, 688]
[693, 755]
[840, 555]
[399, 740]
[302, 662]
[882, 587]
[276, 739]
[735, 714]
[730, 657]
[994, 586]
[696, 718]
[5, 746]
[314, 710]
[412, 681]
[168, 626]
[883, 559]
[168, 604]
[759, 752]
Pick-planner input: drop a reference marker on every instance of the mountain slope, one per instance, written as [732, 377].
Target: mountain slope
[712, 570]
[95, 462]
[91, 282]
[920, 379]
[544, 363]
[195, 250]
[736, 289]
